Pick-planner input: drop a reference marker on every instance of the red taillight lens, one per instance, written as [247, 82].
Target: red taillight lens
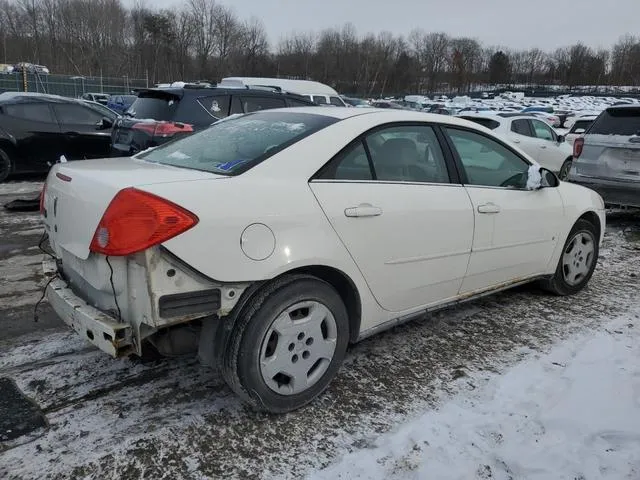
[136, 220]
[163, 129]
[578, 145]
[42, 193]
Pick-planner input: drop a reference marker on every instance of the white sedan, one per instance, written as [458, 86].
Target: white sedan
[270, 241]
[533, 136]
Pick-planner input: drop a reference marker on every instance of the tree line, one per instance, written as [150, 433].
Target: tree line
[203, 40]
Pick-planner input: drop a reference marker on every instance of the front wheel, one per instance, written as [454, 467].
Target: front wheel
[287, 345]
[564, 170]
[577, 262]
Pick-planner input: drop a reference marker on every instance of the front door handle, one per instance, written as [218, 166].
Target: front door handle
[543, 146]
[515, 140]
[363, 210]
[488, 208]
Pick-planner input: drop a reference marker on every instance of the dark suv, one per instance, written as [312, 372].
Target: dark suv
[36, 129]
[161, 114]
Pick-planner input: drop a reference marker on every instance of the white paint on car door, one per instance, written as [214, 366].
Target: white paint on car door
[551, 153]
[408, 229]
[515, 229]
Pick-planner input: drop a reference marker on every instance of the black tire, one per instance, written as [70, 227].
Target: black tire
[558, 284]
[241, 356]
[5, 166]
[564, 169]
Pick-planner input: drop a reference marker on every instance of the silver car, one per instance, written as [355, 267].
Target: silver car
[607, 158]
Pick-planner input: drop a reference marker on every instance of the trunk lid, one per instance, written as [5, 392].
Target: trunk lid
[78, 193]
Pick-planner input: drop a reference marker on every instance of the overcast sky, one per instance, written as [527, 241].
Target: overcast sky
[546, 24]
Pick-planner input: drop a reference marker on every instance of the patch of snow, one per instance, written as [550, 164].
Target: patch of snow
[534, 178]
[573, 413]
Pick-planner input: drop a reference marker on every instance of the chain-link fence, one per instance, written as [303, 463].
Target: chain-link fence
[69, 85]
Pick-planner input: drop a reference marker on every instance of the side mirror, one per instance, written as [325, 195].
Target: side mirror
[540, 177]
[105, 124]
[560, 138]
[548, 179]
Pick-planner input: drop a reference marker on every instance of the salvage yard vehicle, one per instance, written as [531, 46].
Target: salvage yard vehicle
[270, 241]
[162, 114]
[607, 156]
[36, 129]
[533, 136]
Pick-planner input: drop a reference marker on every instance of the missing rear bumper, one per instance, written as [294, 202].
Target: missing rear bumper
[102, 330]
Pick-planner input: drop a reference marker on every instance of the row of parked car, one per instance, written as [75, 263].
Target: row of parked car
[37, 129]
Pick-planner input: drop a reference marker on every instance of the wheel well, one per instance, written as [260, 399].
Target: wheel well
[345, 288]
[592, 218]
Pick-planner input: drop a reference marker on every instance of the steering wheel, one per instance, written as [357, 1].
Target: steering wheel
[514, 181]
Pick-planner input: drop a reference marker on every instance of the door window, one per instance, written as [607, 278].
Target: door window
[252, 104]
[35, 112]
[320, 99]
[542, 130]
[487, 162]
[407, 153]
[521, 127]
[70, 114]
[336, 101]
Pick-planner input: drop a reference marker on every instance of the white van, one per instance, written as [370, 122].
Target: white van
[317, 92]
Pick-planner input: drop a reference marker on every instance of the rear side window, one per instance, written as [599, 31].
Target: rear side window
[617, 121]
[234, 145]
[521, 127]
[254, 104]
[157, 105]
[216, 105]
[581, 124]
[35, 112]
[485, 122]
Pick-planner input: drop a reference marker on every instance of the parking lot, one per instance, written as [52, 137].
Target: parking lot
[172, 418]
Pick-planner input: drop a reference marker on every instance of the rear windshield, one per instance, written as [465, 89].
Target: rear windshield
[155, 105]
[485, 122]
[234, 145]
[617, 121]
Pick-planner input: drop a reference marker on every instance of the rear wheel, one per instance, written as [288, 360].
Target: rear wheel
[577, 262]
[5, 166]
[287, 345]
[564, 170]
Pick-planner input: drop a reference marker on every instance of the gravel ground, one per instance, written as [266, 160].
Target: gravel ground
[172, 418]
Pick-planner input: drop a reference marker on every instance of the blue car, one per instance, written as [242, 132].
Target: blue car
[120, 103]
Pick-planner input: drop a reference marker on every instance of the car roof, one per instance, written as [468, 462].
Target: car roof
[18, 96]
[386, 114]
[182, 91]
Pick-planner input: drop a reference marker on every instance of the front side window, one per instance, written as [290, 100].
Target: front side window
[234, 145]
[542, 130]
[336, 101]
[69, 114]
[320, 99]
[487, 162]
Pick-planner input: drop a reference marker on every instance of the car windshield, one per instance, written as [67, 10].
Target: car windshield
[233, 146]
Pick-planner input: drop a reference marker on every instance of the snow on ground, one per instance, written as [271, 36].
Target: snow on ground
[573, 413]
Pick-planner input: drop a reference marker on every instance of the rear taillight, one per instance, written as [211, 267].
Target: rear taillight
[136, 220]
[163, 129]
[578, 145]
[42, 193]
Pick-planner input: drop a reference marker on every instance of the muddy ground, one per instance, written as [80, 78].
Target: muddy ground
[172, 418]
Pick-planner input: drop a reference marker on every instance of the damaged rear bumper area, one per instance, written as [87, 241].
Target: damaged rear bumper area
[102, 330]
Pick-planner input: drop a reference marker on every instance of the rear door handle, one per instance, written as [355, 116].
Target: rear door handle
[488, 208]
[543, 146]
[363, 210]
[515, 140]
